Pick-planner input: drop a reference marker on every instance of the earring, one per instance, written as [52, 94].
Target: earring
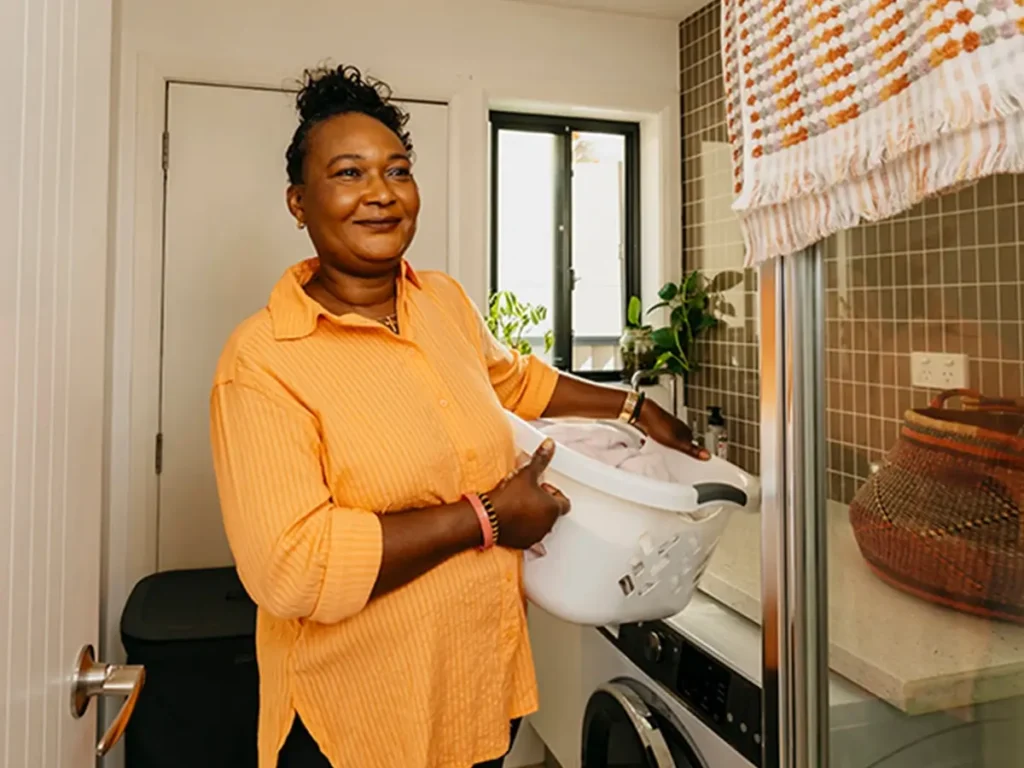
[300, 224]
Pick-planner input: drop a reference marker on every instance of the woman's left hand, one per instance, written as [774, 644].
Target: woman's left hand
[664, 428]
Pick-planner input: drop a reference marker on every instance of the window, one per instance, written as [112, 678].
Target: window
[565, 200]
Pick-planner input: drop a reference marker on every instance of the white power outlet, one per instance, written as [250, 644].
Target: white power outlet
[933, 370]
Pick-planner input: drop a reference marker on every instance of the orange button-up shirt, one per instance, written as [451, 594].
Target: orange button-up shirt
[320, 424]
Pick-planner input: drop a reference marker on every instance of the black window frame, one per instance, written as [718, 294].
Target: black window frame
[563, 128]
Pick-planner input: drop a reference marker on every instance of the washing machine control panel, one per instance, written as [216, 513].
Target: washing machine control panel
[723, 699]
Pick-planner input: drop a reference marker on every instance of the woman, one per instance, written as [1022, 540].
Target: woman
[366, 470]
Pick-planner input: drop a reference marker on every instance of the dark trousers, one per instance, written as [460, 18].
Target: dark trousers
[300, 751]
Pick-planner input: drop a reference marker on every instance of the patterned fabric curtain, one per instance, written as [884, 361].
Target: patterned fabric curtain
[847, 110]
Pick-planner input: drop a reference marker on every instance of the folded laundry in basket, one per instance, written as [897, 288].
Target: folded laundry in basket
[610, 445]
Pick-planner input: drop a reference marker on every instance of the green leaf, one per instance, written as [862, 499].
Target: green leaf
[694, 318]
[669, 361]
[633, 312]
[549, 341]
[668, 291]
[707, 322]
[664, 339]
[677, 365]
[509, 319]
[688, 283]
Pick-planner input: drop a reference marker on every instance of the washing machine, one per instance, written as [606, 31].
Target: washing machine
[685, 693]
[660, 700]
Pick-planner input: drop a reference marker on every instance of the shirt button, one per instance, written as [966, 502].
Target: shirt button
[443, 403]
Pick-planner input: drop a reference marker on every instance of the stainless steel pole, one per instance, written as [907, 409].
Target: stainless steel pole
[794, 512]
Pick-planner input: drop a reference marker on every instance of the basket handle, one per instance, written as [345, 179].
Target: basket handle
[976, 401]
[709, 492]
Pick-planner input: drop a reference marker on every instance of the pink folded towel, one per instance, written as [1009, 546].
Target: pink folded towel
[610, 445]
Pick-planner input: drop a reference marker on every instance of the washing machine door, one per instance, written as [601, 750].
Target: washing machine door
[626, 725]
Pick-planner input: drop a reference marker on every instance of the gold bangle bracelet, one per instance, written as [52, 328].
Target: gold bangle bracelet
[629, 407]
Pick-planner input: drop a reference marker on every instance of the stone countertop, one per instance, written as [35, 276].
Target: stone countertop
[917, 656]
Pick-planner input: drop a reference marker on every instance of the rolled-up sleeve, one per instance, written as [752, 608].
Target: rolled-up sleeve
[298, 554]
[524, 383]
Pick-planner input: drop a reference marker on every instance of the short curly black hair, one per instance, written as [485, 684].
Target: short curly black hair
[330, 91]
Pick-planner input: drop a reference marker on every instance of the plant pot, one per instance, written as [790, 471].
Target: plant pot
[638, 353]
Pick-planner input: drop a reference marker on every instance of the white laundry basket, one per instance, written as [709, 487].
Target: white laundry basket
[632, 548]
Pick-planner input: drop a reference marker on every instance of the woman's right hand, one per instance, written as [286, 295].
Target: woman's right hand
[527, 508]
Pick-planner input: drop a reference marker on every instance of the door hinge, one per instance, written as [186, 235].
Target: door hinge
[165, 158]
[159, 461]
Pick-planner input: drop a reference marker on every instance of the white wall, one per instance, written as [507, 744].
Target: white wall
[476, 54]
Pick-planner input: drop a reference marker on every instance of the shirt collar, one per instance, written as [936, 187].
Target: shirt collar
[294, 314]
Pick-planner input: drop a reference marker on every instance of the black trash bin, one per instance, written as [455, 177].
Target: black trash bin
[194, 631]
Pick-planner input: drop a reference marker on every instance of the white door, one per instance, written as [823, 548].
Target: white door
[54, 139]
[228, 238]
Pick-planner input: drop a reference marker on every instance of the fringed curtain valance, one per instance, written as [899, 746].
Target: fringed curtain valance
[843, 110]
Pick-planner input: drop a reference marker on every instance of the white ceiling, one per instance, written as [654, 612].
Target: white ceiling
[662, 9]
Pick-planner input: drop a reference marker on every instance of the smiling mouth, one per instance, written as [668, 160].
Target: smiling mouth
[380, 225]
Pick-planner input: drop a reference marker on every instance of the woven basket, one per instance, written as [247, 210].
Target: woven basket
[942, 517]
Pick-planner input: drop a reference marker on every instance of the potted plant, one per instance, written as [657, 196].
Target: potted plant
[509, 319]
[695, 306]
[636, 343]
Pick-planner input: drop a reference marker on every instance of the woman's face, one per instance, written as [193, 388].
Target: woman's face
[358, 197]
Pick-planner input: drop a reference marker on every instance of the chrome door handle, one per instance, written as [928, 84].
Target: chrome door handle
[92, 678]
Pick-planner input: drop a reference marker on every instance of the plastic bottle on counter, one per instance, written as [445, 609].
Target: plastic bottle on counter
[716, 440]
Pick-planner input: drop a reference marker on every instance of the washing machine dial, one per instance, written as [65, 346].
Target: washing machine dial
[654, 647]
